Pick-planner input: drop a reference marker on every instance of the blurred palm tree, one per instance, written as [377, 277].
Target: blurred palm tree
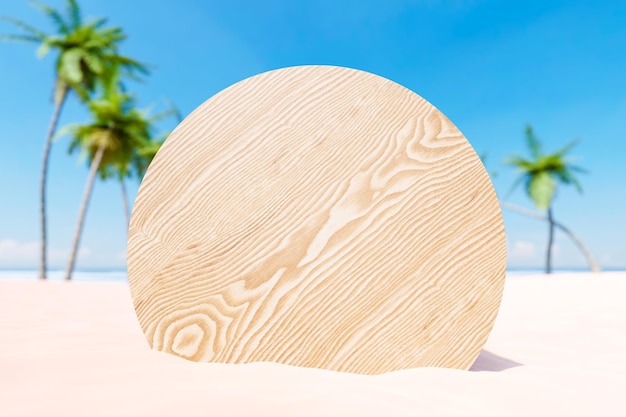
[483, 158]
[113, 138]
[541, 175]
[84, 51]
[135, 163]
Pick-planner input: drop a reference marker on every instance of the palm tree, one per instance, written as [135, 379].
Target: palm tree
[121, 169]
[593, 264]
[115, 133]
[135, 163]
[139, 161]
[84, 50]
[541, 175]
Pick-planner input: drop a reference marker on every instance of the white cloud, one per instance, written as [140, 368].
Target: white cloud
[12, 250]
[523, 250]
[16, 253]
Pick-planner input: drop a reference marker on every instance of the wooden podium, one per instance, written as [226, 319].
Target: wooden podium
[321, 217]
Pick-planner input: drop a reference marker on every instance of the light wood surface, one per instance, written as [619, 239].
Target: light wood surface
[319, 217]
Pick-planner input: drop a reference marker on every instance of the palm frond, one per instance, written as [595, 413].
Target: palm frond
[82, 91]
[567, 147]
[568, 178]
[43, 49]
[519, 162]
[533, 143]
[110, 35]
[163, 115]
[53, 15]
[98, 23]
[25, 26]
[19, 38]
[73, 12]
[130, 65]
[516, 183]
[577, 184]
[576, 168]
[67, 130]
[94, 62]
[179, 118]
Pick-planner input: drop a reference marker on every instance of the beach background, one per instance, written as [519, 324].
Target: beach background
[493, 67]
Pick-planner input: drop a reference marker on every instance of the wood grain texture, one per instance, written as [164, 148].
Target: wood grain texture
[320, 217]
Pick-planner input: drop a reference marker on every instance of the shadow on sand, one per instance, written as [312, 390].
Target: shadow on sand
[491, 362]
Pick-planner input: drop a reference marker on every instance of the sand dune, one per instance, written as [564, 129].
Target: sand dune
[76, 349]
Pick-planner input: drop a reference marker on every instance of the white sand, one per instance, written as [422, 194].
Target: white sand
[76, 349]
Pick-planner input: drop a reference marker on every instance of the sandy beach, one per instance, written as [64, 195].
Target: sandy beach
[558, 348]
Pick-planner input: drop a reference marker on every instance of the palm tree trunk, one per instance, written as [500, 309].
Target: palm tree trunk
[593, 265]
[95, 164]
[550, 241]
[125, 200]
[44, 177]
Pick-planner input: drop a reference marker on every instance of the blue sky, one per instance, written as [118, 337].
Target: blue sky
[491, 66]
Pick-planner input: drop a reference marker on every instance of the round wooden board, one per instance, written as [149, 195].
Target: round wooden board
[321, 217]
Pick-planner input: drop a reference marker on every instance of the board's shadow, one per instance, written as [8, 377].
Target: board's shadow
[491, 362]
